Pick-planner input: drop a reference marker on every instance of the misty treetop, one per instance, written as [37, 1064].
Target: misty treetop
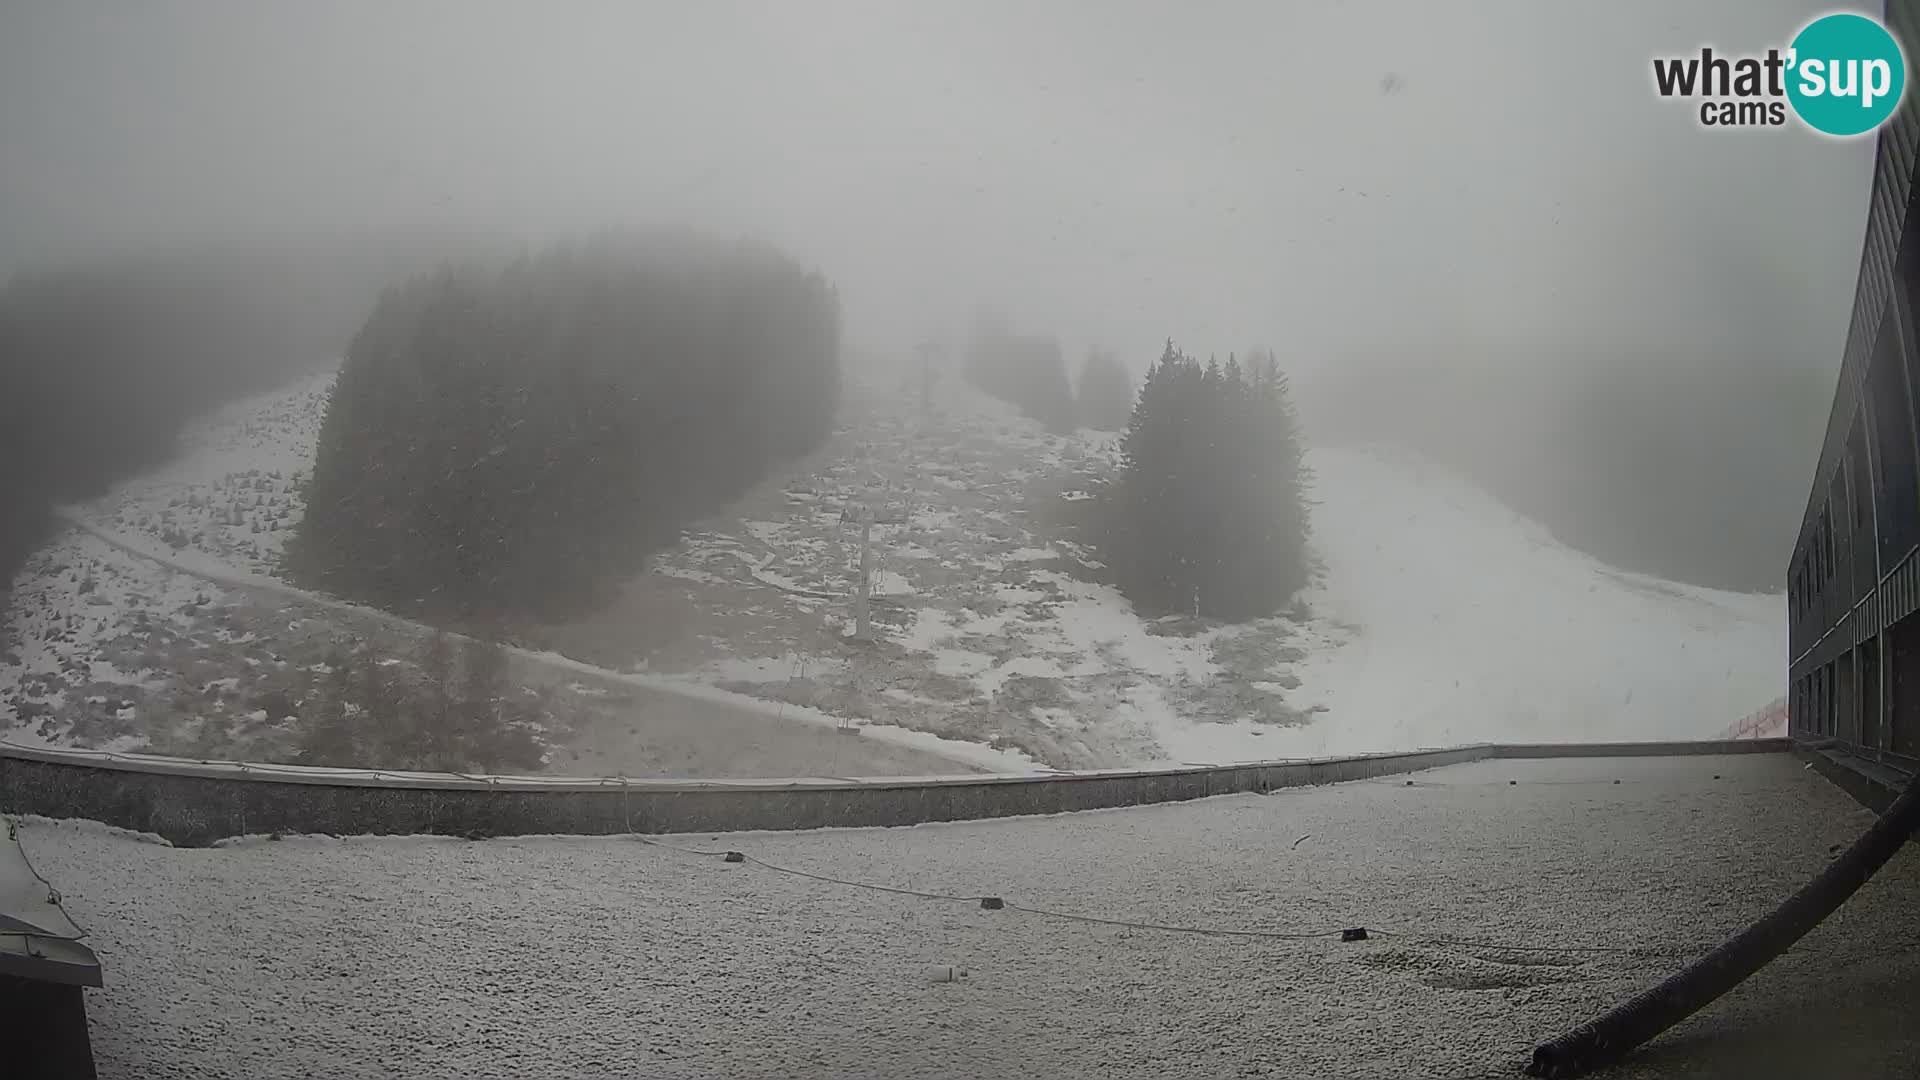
[1209, 513]
[510, 438]
[1104, 395]
[1023, 370]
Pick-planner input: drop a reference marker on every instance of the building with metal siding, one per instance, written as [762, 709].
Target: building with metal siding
[1853, 585]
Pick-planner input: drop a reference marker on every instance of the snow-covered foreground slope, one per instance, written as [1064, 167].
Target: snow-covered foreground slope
[434, 958]
[1441, 617]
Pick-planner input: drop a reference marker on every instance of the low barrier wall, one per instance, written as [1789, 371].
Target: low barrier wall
[1642, 749]
[193, 803]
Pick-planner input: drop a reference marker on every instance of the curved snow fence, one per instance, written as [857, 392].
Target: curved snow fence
[192, 803]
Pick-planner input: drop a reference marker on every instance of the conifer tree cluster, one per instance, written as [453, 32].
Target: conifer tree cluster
[1104, 393]
[103, 360]
[1209, 513]
[1025, 371]
[507, 440]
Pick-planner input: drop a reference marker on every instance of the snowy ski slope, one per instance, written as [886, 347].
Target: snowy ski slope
[1441, 618]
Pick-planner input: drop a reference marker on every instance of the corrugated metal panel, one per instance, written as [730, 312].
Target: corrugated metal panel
[1882, 240]
[1896, 597]
[1894, 163]
[1827, 632]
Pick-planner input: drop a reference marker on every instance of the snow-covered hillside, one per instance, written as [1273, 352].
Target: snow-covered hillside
[1472, 624]
[234, 491]
[1441, 616]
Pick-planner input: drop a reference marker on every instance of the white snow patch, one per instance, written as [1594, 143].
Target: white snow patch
[686, 574]
[778, 581]
[769, 669]
[1097, 616]
[1038, 667]
[767, 532]
[960, 662]
[930, 626]
[1475, 625]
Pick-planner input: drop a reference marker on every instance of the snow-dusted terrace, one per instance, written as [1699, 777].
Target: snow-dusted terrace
[1482, 884]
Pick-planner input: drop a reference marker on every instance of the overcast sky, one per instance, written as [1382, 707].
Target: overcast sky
[1225, 173]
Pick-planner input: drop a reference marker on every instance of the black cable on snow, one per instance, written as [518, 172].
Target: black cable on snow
[1611, 1037]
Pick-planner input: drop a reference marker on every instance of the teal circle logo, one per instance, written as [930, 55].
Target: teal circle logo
[1846, 74]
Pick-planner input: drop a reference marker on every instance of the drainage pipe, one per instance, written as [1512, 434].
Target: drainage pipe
[1613, 1036]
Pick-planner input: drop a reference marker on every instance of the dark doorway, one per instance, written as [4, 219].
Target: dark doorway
[1868, 665]
[1903, 641]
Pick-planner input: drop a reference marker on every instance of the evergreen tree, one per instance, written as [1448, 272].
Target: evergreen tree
[107, 358]
[508, 439]
[1208, 515]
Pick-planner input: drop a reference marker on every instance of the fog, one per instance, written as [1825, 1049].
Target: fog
[1119, 172]
[1490, 189]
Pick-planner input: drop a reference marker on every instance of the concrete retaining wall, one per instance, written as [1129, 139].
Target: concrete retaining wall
[1641, 749]
[195, 803]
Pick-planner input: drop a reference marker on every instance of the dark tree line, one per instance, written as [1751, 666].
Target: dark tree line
[1105, 392]
[102, 362]
[1025, 371]
[440, 713]
[1209, 513]
[508, 439]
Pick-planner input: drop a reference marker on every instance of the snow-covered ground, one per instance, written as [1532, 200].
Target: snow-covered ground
[1472, 624]
[431, 957]
[1441, 616]
[234, 491]
[122, 643]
